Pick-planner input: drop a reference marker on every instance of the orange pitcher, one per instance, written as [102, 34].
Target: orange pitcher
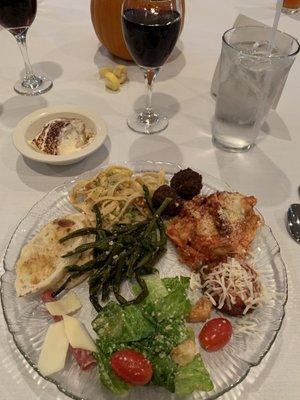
[291, 6]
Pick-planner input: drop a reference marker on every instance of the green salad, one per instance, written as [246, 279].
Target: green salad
[155, 327]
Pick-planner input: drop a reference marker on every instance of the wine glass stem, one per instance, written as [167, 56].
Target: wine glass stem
[30, 79]
[150, 75]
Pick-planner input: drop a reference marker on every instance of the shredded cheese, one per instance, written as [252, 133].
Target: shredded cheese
[247, 325]
[195, 282]
[228, 280]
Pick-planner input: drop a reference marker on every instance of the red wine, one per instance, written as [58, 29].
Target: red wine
[16, 15]
[150, 37]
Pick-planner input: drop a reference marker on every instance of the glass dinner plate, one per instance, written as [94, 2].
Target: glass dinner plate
[28, 321]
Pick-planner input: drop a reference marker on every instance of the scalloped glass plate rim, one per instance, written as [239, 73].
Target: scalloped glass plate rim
[135, 164]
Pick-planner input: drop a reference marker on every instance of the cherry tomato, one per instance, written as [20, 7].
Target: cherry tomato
[215, 334]
[132, 366]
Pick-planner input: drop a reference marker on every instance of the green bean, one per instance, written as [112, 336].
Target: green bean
[100, 234]
[126, 239]
[145, 259]
[95, 302]
[132, 259]
[160, 224]
[102, 244]
[90, 265]
[129, 250]
[119, 226]
[144, 293]
[148, 199]
[104, 277]
[98, 216]
[79, 232]
[106, 285]
[64, 285]
[121, 264]
[148, 271]
[155, 258]
[163, 236]
[95, 286]
[107, 275]
[119, 297]
[95, 279]
[128, 228]
[157, 215]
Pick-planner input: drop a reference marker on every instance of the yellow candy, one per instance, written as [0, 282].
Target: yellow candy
[103, 71]
[121, 73]
[111, 81]
[114, 77]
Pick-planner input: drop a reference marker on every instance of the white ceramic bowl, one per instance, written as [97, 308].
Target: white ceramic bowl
[33, 123]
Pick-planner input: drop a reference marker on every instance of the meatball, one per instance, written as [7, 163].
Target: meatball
[161, 194]
[233, 285]
[236, 309]
[187, 183]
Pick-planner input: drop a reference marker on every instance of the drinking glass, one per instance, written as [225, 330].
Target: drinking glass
[291, 6]
[252, 77]
[17, 16]
[151, 30]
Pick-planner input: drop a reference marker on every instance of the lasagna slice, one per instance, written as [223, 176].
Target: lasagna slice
[212, 228]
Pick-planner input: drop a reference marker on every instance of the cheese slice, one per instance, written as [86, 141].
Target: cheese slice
[66, 305]
[54, 350]
[77, 334]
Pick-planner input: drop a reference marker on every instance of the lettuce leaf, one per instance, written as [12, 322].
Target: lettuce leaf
[167, 298]
[108, 378]
[179, 282]
[169, 334]
[192, 376]
[164, 370]
[156, 288]
[153, 327]
[119, 324]
[174, 305]
[107, 347]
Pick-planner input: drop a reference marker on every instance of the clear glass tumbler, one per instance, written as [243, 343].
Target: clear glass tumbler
[251, 80]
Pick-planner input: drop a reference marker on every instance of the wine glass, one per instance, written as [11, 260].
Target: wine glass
[150, 30]
[17, 16]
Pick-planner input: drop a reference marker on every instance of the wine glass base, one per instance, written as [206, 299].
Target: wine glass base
[225, 147]
[147, 124]
[43, 86]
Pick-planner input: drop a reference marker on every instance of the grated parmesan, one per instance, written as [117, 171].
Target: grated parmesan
[248, 325]
[228, 280]
[195, 282]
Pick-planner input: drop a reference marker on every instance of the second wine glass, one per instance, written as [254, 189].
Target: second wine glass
[151, 30]
[17, 16]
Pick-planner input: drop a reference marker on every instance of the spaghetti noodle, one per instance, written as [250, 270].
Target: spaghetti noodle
[118, 192]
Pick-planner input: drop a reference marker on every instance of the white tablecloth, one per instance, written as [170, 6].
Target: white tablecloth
[63, 45]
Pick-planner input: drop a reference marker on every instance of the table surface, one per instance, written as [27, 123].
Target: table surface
[63, 45]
